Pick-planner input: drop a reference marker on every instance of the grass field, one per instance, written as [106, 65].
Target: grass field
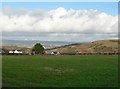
[60, 71]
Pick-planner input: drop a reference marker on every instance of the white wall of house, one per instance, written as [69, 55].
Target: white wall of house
[58, 52]
[53, 53]
[11, 51]
[15, 51]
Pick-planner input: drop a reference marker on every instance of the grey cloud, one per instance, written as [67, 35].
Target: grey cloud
[9, 12]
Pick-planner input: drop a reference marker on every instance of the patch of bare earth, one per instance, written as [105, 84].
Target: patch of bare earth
[58, 70]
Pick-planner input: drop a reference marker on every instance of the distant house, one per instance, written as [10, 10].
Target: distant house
[55, 53]
[3, 51]
[15, 52]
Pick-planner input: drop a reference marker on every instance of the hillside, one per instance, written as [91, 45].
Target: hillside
[25, 50]
[96, 46]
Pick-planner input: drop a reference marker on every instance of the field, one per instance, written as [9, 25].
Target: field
[60, 71]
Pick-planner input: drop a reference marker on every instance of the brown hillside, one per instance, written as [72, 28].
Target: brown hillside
[96, 46]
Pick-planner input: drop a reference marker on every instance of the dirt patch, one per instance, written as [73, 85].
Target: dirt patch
[48, 68]
[58, 70]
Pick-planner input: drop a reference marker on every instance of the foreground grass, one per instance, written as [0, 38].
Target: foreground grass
[60, 71]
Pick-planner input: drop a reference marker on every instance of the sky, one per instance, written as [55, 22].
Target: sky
[59, 21]
[107, 7]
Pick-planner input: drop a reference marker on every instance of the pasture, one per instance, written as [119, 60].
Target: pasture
[60, 71]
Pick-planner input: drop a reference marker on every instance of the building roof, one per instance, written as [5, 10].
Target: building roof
[15, 50]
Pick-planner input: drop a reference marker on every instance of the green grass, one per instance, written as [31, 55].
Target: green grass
[60, 71]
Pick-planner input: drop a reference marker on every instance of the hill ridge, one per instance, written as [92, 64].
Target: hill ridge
[95, 46]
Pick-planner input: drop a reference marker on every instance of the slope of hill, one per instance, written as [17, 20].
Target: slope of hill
[25, 50]
[96, 46]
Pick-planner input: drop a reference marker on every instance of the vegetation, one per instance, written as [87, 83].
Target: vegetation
[38, 49]
[96, 46]
[60, 71]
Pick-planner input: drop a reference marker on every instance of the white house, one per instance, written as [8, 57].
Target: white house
[15, 52]
[11, 51]
[55, 53]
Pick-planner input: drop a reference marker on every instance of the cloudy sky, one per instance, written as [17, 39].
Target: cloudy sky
[63, 21]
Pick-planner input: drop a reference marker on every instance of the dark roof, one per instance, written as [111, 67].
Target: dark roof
[14, 50]
[19, 50]
[55, 52]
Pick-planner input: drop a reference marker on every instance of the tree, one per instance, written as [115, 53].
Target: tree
[38, 49]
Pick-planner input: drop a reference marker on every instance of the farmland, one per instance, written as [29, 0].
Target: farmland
[60, 71]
